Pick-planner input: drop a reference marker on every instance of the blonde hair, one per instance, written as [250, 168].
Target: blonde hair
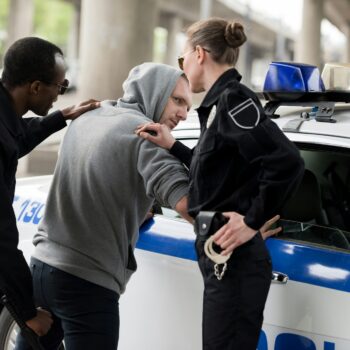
[219, 36]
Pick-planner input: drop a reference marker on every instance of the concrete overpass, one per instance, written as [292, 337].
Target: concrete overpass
[337, 12]
[109, 37]
[122, 36]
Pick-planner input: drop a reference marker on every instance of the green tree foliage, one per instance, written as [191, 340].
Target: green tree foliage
[4, 6]
[52, 20]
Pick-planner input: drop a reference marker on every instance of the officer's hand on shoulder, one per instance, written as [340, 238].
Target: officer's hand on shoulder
[73, 112]
[157, 133]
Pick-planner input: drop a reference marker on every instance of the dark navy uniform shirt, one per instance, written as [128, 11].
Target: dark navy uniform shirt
[242, 161]
[17, 138]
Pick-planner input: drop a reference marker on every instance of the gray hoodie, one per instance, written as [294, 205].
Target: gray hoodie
[106, 180]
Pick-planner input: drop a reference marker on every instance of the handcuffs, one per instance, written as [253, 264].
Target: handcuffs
[206, 224]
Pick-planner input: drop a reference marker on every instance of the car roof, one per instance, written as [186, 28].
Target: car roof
[310, 131]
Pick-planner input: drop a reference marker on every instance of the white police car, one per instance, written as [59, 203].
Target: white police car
[308, 307]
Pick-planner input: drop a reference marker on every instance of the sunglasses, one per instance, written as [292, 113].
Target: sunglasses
[62, 88]
[180, 59]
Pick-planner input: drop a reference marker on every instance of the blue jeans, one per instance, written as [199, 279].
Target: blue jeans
[85, 315]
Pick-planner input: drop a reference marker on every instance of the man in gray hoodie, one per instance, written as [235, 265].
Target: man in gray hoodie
[105, 183]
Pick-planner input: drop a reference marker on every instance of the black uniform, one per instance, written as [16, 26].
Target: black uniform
[17, 138]
[242, 163]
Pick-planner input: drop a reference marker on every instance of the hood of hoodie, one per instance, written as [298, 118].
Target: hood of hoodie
[148, 88]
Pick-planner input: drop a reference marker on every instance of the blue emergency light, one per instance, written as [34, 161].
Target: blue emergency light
[293, 77]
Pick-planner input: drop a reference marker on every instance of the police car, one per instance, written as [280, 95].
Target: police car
[308, 307]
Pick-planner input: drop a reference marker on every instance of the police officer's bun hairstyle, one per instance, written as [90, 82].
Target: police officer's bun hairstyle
[29, 59]
[221, 37]
[234, 35]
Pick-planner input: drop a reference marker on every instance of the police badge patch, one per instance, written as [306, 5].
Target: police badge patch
[246, 115]
[211, 117]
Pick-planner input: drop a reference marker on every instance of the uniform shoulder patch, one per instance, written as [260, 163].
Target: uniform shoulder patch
[246, 115]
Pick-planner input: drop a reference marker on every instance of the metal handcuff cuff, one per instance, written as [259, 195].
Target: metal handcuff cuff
[205, 225]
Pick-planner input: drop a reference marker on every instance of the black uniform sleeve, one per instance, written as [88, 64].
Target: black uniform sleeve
[37, 129]
[262, 143]
[182, 152]
[15, 276]
[282, 169]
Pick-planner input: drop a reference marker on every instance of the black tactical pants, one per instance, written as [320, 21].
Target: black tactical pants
[233, 307]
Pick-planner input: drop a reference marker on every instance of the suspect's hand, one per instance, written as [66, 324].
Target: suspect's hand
[157, 133]
[75, 111]
[234, 233]
[265, 229]
[41, 323]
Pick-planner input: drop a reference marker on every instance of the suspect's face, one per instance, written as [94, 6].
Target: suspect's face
[179, 103]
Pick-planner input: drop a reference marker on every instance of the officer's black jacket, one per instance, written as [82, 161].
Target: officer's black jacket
[17, 138]
[242, 161]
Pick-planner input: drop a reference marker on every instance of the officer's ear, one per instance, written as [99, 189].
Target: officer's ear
[200, 54]
[34, 87]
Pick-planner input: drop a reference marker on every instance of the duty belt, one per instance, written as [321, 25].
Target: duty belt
[205, 225]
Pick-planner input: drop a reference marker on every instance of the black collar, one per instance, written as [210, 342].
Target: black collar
[7, 115]
[215, 91]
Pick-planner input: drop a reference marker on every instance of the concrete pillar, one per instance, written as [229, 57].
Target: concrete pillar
[74, 33]
[115, 36]
[20, 24]
[347, 49]
[20, 20]
[206, 8]
[281, 45]
[72, 55]
[309, 43]
[244, 63]
[174, 27]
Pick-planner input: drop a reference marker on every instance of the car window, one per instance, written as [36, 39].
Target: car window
[319, 211]
[314, 234]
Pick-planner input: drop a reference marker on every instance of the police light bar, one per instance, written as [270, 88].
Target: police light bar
[299, 84]
[336, 76]
[293, 77]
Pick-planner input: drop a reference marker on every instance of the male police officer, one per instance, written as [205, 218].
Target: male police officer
[32, 78]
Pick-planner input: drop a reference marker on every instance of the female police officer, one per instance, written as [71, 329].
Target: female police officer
[242, 166]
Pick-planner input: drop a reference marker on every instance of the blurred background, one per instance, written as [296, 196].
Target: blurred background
[103, 39]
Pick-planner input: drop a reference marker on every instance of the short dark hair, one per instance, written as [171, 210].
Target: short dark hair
[29, 59]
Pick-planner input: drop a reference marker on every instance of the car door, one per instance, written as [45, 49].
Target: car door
[309, 301]
[308, 307]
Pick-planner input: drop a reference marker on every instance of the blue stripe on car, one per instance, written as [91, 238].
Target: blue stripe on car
[310, 264]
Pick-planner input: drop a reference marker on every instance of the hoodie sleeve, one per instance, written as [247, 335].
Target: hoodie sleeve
[164, 176]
